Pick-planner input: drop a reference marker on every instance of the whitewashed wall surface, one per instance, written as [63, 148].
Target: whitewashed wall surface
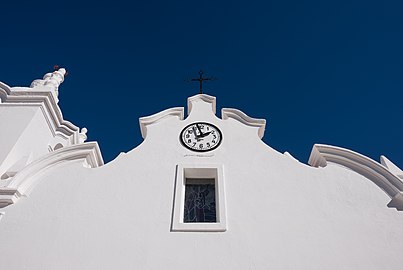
[62, 208]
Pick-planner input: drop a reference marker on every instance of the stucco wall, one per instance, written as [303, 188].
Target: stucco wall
[24, 133]
[281, 214]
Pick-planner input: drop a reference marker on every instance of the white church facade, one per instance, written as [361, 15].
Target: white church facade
[200, 192]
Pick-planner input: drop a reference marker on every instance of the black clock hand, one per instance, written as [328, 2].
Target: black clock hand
[200, 132]
[205, 134]
[194, 131]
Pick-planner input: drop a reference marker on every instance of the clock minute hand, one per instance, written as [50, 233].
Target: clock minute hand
[200, 132]
[194, 131]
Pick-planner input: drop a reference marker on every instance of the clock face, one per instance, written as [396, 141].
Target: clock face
[201, 137]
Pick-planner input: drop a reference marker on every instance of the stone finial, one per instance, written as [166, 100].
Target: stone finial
[52, 80]
[82, 135]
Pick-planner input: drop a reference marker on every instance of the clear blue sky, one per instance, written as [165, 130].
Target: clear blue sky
[318, 71]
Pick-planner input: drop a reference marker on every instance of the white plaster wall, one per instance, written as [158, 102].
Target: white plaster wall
[37, 136]
[26, 135]
[281, 214]
[13, 121]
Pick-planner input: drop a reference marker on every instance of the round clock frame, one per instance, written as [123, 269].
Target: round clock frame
[198, 127]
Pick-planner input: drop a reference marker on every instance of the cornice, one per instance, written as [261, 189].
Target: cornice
[8, 196]
[5, 90]
[244, 119]
[25, 180]
[155, 118]
[322, 154]
[40, 96]
[203, 97]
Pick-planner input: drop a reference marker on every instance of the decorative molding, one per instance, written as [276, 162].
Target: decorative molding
[8, 196]
[391, 167]
[51, 80]
[244, 119]
[24, 181]
[155, 118]
[384, 178]
[203, 97]
[5, 90]
[47, 101]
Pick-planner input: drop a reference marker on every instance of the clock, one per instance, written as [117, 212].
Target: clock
[201, 137]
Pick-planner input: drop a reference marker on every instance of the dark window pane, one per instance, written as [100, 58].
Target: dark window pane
[200, 201]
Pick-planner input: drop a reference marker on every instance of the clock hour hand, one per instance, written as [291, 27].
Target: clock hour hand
[205, 134]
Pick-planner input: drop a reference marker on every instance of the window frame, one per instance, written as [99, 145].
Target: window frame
[205, 171]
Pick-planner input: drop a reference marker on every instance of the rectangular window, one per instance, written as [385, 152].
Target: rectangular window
[199, 199]
[199, 205]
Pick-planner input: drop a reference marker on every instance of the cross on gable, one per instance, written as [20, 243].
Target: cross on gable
[201, 79]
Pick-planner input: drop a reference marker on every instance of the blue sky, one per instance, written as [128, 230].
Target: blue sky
[318, 71]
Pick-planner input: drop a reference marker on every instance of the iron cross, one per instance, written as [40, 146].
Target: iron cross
[201, 79]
